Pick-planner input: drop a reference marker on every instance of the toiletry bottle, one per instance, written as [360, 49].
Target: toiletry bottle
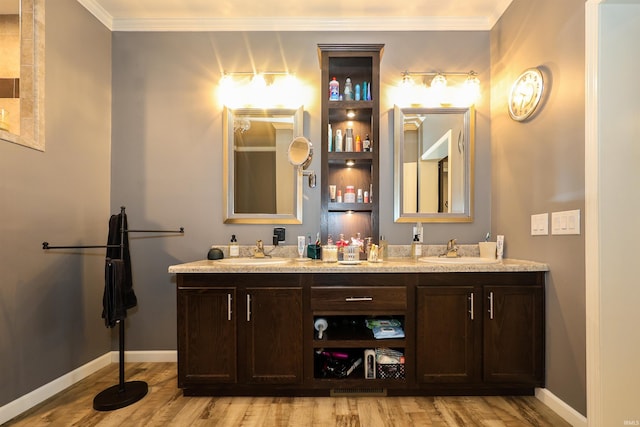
[416, 247]
[357, 92]
[334, 90]
[366, 144]
[348, 140]
[330, 139]
[234, 249]
[358, 144]
[348, 90]
[364, 90]
[382, 250]
[338, 141]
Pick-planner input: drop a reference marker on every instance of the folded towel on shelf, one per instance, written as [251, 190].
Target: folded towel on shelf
[382, 332]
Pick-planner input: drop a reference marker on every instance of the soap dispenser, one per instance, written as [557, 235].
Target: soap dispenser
[234, 249]
[416, 247]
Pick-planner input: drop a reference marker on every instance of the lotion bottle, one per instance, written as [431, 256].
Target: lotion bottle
[234, 248]
[416, 247]
[337, 143]
[382, 249]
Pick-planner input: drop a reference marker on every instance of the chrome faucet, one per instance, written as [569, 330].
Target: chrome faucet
[452, 249]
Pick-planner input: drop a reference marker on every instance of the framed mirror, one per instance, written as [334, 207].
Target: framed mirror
[261, 186]
[22, 78]
[433, 164]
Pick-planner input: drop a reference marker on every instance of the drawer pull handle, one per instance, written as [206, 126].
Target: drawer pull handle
[356, 299]
[229, 312]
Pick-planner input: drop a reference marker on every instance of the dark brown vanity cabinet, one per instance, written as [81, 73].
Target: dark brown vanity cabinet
[448, 334]
[464, 333]
[514, 334]
[230, 332]
[207, 335]
[481, 329]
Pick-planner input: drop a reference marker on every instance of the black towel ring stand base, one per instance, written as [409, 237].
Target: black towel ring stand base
[120, 395]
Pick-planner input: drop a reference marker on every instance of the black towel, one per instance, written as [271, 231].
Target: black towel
[112, 300]
[125, 298]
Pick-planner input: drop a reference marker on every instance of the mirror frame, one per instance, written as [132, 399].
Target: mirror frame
[398, 145]
[228, 168]
[32, 38]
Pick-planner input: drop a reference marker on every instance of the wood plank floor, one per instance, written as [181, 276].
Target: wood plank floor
[164, 405]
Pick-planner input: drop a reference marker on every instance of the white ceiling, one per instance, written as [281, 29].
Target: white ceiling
[296, 15]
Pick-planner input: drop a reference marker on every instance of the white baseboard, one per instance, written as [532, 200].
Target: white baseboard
[29, 400]
[569, 414]
[146, 356]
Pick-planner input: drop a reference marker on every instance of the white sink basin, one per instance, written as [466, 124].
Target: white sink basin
[459, 260]
[254, 261]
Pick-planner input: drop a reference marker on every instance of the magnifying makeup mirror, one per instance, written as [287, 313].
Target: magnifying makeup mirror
[300, 154]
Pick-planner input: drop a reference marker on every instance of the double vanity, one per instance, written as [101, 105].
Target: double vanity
[250, 327]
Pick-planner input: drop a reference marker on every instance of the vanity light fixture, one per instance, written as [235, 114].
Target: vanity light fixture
[438, 91]
[260, 89]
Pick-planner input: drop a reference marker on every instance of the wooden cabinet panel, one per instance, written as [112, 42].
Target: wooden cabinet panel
[206, 336]
[448, 334]
[514, 334]
[274, 335]
[358, 298]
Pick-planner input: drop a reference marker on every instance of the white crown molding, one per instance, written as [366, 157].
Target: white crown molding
[289, 24]
[304, 24]
[99, 12]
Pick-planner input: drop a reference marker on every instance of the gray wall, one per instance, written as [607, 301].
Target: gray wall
[167, 144]
[538, 167]
[50, 302]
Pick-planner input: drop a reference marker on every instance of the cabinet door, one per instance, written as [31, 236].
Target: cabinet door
[206, 336]
[448, 334]
[274, 335]
[514, 335]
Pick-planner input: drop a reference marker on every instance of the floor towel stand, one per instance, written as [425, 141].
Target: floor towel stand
[124, 393]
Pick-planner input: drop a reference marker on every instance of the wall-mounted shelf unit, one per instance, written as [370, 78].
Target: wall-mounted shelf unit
[360, 63]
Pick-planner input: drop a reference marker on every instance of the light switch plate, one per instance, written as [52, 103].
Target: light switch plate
[565, 222]
[540, 224]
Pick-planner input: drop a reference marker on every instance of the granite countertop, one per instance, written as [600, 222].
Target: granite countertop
[393, 265]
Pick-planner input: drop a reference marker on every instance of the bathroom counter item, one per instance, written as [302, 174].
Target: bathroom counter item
[393, 265]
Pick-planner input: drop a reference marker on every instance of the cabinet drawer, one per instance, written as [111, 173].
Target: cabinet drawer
[358, 297]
